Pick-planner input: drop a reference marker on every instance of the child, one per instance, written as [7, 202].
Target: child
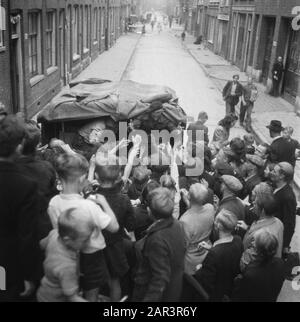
[72, 170]
[60, 283]
[249, 143]
[111, 183]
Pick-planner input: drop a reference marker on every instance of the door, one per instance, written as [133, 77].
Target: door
[270, 28]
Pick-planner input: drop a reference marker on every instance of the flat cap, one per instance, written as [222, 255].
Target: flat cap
[256, 160]
[232, 183]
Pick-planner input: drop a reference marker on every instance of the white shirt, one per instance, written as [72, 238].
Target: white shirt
[92, 212]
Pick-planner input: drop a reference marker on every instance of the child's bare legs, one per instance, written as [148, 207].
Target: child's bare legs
[115, 290]
[92, 295]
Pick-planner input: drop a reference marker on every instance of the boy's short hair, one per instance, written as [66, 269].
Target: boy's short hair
[228, 220]
[203, 116]
[198, 193]
[161, 203]
[110, 170]
[70, 225]
[266, 245]
[71, 166]
[289, 130]
[12, 133]
[166, 181]
[32, 138]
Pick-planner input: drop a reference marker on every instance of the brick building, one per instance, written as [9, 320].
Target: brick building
[5, 88]
[252, 34]
[52, 41]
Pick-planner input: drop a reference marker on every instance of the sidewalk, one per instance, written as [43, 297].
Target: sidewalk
[267, 108]
[112, 64]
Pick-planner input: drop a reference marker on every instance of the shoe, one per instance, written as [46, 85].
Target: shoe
[241, 124]
[248, 129]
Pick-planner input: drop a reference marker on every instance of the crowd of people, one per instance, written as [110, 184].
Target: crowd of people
[73, 229]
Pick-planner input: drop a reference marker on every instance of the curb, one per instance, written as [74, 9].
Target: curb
[256, 132]
[130, 58]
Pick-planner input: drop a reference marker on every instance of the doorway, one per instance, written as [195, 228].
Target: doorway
[270, 28]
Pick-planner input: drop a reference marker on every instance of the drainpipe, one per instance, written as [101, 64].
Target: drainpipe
[107, 36]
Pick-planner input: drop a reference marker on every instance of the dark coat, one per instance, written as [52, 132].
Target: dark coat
[278, 70]
[220, 268]
[260, 282]
[227, 90]
[18, 223]
[161, 263]
[286, 212]
[43, 174]
[281, 150]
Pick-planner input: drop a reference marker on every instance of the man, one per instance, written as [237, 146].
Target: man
[230, 187]
[199, 126]
[249, 97]
[282, 176]
[222, 263]
[18, 215]
[277, 73]
[280, 150]
[161, 265]
[232, 93]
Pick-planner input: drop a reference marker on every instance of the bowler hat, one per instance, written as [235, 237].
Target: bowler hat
[275, 126]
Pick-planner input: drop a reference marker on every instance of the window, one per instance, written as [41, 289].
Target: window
[2, 24]
[34, 42]
[95, 25]
[76, 32]
[50, 40]
[86, 29]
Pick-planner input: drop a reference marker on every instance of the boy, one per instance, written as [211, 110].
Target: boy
[62, 246]
[287, 134]
[72, 171]
[111, 183]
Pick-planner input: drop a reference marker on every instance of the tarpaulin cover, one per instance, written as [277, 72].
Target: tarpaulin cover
[90, 99]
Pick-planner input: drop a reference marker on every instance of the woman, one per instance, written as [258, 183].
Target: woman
[264, 208]
[263, 279]
[222, 133]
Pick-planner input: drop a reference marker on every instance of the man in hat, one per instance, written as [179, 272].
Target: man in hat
[277, 73]
[282, 176]
[230, 187]
[280, 150]
[232, 93]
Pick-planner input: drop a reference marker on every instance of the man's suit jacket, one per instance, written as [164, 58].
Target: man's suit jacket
[160, 263]
[281, 150]
[227, 90]
[18, 220]
[286, 212]
[220, 268]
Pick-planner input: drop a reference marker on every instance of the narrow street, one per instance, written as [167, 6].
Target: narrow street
[162, 59]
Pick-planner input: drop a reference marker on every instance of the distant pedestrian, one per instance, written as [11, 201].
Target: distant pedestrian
[152, 24]
[232, 94]
[250, 95]
[277, 73]
[183, 36]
